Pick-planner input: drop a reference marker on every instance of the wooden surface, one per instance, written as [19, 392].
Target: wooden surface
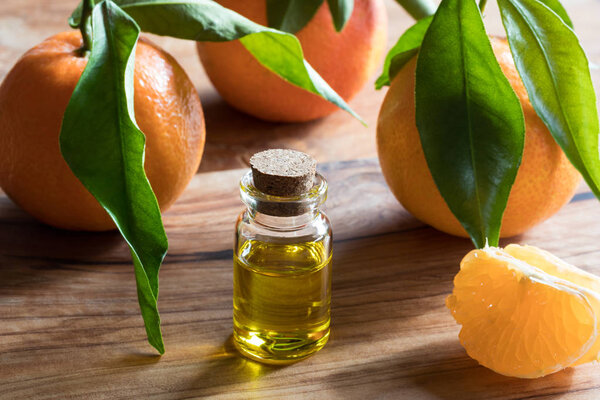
[232, 137]
[70, 325]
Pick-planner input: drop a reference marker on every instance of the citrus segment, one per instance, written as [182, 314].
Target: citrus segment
[518, 320]
[586, 282]
[554, 266]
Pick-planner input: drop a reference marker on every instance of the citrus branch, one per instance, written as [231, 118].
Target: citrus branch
[85, 26]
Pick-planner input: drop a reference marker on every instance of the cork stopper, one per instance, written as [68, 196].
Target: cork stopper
[281, 172]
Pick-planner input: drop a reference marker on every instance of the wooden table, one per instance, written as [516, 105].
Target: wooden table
[70, 325]
[69, 320]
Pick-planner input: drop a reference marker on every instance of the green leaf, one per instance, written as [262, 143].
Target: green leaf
[205, 20]
[469, 119]
[557, 7]
[418, 9]
[555, 72]
[405, 48]
[291, 15]
[341, 10]
[104, 148]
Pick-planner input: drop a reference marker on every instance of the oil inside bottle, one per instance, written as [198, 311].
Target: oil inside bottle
[281, 299]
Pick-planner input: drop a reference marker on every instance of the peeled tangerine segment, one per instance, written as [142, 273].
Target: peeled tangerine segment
[588, 283]
[524, 312]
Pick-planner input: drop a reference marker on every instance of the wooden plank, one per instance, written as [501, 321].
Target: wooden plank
[232, 137]
[70, 325]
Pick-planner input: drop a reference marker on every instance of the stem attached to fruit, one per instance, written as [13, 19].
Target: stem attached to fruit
[418, 8]
[85, 26]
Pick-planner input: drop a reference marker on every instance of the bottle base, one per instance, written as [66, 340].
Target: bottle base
[276, 348]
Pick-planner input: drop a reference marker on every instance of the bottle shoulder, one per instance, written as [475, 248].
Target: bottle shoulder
[309, 244]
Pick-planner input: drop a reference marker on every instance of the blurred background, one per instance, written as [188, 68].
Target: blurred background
[232, 137]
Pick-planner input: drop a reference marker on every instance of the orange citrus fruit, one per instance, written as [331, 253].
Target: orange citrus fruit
[346, 60]
[546, 180]
[33, 98]
[524, 312]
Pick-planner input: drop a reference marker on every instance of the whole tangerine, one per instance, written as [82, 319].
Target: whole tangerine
[346, 60]
[33, 98]
[546, 180]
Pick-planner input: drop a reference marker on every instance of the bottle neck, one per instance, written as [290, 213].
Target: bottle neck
[282, 223]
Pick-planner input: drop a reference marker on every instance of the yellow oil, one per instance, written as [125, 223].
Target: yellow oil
[281, 300]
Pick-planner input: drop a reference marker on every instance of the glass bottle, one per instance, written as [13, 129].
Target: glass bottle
[282, 274]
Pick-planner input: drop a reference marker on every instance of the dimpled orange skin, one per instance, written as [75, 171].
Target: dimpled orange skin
[33, 98]
[545, 182]
[346, 60]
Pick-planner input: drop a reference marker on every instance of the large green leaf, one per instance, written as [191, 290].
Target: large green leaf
[555, 72]
[205, 20]
[104, 148]
[405, 48]
[557, 7]
[291, 15]
[341, 10]
[469, 119]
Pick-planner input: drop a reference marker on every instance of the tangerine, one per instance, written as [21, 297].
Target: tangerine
[33, 99]
[346, 60]
[545, 181]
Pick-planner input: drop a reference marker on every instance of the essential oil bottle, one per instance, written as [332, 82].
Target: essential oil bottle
[282, 260]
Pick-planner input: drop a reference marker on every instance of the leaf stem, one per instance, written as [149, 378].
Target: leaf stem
[85, 26]
[482, 4]
[418, 8]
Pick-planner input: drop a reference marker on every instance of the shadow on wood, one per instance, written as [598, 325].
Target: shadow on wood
[33, 255]
[442, 370]
[233, 136]
[24, 237]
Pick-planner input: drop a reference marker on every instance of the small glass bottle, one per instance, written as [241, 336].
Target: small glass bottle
[282, 260]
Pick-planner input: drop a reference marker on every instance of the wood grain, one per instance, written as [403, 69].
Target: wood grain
[70, 326]
[232, 137]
